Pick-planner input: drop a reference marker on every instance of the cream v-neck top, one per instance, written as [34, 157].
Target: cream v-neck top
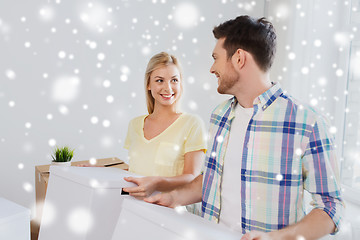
[163, 155]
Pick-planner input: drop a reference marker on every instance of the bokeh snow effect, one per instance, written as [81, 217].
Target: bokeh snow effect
[72, 72]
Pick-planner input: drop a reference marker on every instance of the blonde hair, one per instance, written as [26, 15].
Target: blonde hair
[158, 61]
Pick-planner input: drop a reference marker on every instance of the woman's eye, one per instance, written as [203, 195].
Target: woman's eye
[158, 80]
[174, 80]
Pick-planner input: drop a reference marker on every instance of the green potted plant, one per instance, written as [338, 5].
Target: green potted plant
[62, 156]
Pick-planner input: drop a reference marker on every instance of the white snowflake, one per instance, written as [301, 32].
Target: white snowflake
[339, 72]
[21, 166]
[106, 83]
[28, 187]
[291, 56]
[110, 99]
[305, 70]
[62, 54]
[279, 177]
[322, 81]
[186, 15]
[10, 74]
[94, 120]
[314, 102]
[63, 110]
[65, 89]
[107, 141]
[193, 105]
[80, 220]
[11, 104]
[332, 129]
[106, 123]
[317, 43]
[46, 13]
[52, 142]
[101, 56]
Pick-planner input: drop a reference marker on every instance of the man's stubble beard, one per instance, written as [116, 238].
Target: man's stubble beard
[227, 82]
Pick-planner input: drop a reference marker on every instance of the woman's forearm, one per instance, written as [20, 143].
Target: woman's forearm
[165, 184]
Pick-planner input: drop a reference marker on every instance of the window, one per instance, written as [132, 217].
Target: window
[351, 148]
[350, 167]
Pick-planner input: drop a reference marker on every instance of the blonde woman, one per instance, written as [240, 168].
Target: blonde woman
[166, 145]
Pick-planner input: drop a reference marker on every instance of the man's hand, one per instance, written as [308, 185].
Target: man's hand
[187, 194]
[314, 225]
[146, 186]
[257, 235]
[163, 199]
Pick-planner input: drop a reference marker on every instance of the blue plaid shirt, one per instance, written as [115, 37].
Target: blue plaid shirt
[287, 148]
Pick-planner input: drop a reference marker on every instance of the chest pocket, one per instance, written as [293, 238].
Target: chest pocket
[169, 160]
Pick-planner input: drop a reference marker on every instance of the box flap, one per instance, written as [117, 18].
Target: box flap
[94, 177]
[9, 210]
[181, 222]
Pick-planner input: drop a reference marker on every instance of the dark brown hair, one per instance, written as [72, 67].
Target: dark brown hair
[256, 36]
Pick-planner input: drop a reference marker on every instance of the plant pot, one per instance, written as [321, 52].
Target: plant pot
[61, 164]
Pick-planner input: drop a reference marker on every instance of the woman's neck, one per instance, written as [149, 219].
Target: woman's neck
[165, 112]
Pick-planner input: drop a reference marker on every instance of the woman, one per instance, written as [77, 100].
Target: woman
[166, 146]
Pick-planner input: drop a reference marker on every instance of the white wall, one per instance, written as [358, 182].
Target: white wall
[32, 113]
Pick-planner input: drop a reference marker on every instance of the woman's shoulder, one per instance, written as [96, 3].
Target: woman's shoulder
[192, 118]
[137, 120]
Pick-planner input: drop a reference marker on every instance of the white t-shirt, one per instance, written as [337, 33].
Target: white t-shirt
[230, 211]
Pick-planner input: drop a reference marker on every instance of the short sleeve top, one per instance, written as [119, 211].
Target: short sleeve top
[164, 154]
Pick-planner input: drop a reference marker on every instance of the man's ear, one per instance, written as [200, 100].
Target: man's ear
[239, 58]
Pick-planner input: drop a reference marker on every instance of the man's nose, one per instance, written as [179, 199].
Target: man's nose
[212, 69]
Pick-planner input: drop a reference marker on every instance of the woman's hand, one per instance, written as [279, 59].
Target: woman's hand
[146, 186]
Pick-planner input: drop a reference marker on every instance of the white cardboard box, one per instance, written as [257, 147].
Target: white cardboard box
[141, 220]
[82, 203]
[14, 221]
[87, 204]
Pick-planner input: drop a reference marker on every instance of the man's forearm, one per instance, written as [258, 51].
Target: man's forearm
[188, 193]
[314, 225]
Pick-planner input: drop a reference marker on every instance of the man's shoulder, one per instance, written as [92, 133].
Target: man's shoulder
[303, 108]
[222, 107]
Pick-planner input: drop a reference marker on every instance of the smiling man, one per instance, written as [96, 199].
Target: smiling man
[265, 147]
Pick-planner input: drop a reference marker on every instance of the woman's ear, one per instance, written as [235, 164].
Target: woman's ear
[239, 58]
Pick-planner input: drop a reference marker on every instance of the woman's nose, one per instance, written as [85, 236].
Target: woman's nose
[168, 86]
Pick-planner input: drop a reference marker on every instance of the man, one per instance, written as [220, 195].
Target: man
[265, 148]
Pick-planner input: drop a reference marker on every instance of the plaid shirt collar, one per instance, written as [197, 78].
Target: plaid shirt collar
[263, 101]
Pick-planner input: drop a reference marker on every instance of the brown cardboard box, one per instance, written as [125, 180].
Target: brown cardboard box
[42, 178]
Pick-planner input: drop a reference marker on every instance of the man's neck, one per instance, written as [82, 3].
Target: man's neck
[254, 88]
